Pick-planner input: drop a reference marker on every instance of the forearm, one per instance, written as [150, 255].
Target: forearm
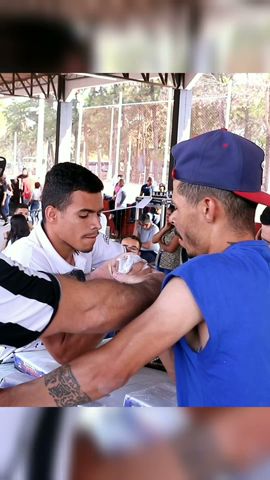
[65, 347]
[148, 245]
[126, 303]
[99, 306]
[82, 381]
[158, 236]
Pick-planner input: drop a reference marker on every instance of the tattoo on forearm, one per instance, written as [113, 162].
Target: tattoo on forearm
[64, 387]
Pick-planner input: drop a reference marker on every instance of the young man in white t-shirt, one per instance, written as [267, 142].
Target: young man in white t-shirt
[63, 242]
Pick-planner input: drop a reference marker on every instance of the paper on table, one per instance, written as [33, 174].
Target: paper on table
[142, 203]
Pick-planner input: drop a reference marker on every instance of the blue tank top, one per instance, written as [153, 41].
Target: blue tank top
[232, 290]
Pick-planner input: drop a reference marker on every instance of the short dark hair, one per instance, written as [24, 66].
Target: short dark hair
[265, 216]
[240, 212]
[62, 180]
[37, 184]
[21, 205]
[133, 237]
[146, 217]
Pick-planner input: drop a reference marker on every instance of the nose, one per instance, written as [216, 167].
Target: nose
[96, 222]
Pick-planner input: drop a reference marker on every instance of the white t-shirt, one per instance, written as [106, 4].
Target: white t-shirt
[36, 195]
[146, 236]
[105, 249]
[37, 253]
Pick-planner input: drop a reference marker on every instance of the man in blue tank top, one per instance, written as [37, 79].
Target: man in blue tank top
[223, 358]
[215, 309]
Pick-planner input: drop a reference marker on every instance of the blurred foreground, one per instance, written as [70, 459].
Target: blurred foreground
[116, 443]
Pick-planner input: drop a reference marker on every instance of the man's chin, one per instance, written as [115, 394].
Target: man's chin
[87, 247]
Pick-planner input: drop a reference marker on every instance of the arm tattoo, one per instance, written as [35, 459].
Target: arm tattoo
[64, 387]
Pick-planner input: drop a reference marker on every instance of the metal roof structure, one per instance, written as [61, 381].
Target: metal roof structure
[61, 84]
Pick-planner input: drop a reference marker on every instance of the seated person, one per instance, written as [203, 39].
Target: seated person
[19, 228]
[23, 209]
[145, 229]
[19, 209]
[132, 244]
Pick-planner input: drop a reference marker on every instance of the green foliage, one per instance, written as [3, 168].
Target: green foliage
[143, 127]
[19, 123]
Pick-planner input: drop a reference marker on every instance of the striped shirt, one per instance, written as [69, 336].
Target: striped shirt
[28, 302]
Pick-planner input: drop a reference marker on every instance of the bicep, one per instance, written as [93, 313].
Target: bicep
[70, 309]
[171, 316]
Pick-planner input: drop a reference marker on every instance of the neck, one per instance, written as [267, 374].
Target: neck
[62, 248]
[225, 240]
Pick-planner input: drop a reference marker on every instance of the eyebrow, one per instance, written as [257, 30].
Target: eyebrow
[130, 246]
[87, 210]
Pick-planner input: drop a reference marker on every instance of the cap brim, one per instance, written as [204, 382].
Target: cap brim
[256, 197]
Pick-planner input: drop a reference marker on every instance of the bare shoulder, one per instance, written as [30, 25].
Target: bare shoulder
[176, 303]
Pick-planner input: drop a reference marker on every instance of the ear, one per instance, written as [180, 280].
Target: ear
[51, 214]
[209, 208]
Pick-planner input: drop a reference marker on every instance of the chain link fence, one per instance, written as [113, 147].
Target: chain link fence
[238, 102]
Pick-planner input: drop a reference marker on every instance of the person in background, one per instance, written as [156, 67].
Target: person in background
[18, 228]
[35, 203]
[162, 188]
[120, 204]
[170, 254]
[8, 196]
[3, 195]
[25, 187]
[264, 231]
[117, 186]
[19, 209]
[132, 244]
[15, 197]
[147, 188]
[145, 229]
[156, 214]
[23, 209]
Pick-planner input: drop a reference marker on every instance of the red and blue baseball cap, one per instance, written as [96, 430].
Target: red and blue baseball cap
[222, 160]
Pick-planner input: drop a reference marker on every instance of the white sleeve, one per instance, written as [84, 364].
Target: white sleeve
[19, 251]
[105, 249]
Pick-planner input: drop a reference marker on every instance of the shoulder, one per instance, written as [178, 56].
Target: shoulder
[154, 228]
[29, 253]
[203, 268]
[19, 251]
